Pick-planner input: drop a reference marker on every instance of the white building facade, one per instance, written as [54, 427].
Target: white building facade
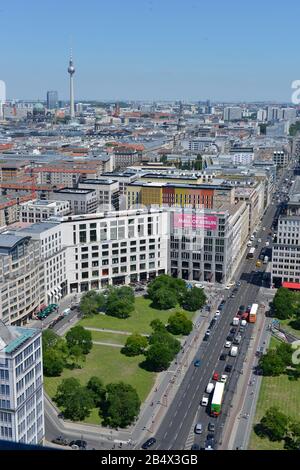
[21, 385]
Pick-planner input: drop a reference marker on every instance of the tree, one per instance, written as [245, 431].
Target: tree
[272, 364]
[164, 298]
[157, 325]
[79, 336]
[285, 352]
[76, 400]
[194, 299]
[283, 304]
[135, 345]
[91, 303]
[53, 363]
[179, 324]
[275, 424]
[76, 355]
[120, 302]
[159, 357]
[49, 339]
[96, 387]
[121, 405]
[178, 286]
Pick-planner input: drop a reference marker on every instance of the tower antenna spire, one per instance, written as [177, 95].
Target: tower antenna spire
[71, 71]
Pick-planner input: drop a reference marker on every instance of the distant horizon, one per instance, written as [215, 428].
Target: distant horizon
[146, 101]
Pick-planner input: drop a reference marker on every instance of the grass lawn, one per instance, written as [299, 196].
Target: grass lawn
[282, 393]
[108, 337]
[139, 321]
[110, 365]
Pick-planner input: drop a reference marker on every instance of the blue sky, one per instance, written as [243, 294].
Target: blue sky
[151, 49]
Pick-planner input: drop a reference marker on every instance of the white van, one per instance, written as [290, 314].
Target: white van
[210, 388]
[234, 351]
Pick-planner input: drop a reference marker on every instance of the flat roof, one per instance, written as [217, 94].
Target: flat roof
[20, 336]
[74, 191]
[98, 181]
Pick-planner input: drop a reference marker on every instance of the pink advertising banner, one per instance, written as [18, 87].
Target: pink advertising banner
[206, 222]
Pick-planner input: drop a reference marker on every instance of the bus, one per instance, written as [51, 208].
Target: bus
[253, 313]
[250, 255]
[217, 398]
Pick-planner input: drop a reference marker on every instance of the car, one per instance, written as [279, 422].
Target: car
[209, 387]
[60, 440]
[218, 313]
[232, 296]
[210, 442]
[239, 283]
[223, 357]
[212, 323]
[259, 240]
[258, 264]
[227, 344]
[74, 307]
[228, 368]
[233, 331]
[195, 447]
[79, 443]
[224, 378]
[267, 243]
[198, 428]
[242, 329]
[207, 333]
[222, 302]
[204, 401]
[211, 427]
[197, 363]
[216, 376]
[230, 338]
[264, 228]
[149, 443]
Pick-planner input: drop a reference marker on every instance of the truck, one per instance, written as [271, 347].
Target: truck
[216, 403]
[234, 351]
[253, 313]
[266, 260]
[236, 321]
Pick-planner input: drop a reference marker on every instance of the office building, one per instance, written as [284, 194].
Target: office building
[37, 211]
[21, 385]
[286, 248]
[81, 201]
[52, 100]
[107, 191]
[208, 245]
[21, 291]
[233, 113]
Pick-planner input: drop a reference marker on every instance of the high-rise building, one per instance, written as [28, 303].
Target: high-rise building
[21, 385]
[52, 99]
[286, 248]
[232, 113]
[71, 71]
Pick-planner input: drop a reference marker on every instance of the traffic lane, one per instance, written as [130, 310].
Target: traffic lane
[233, 376]
[206, 352]
[230, 387]
[178, 441]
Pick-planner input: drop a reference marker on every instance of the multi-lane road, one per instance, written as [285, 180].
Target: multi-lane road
[177, 428]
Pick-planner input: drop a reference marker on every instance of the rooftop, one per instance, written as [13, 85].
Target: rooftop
[73, 191]
[12, 337]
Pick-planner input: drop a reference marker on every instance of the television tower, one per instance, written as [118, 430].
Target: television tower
[71, 71]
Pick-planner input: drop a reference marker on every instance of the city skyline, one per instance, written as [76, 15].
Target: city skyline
[225, 53]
